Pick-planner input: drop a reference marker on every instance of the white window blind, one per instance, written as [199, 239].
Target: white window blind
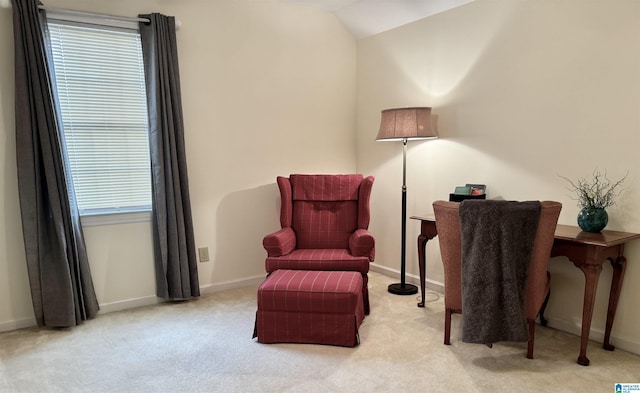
[99, 78]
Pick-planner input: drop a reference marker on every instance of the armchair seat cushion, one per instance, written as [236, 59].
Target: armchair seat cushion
[325, 259]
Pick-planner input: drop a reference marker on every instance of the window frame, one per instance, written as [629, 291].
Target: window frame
[108, 216]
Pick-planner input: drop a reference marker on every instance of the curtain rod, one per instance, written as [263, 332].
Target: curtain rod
[93, 14]
[7, 4]
[60, 11]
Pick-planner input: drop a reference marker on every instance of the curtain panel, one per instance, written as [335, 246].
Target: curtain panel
[62, 291]
[174, 244]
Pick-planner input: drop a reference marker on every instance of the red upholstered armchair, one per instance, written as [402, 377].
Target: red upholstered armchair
[325, 221]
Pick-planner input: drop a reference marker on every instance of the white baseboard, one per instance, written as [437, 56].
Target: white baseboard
[555, 323]
[128, 304]
[596, 335]
[410, 278]
[140, 302]
[17, 324]
[223, 286]
[204, 290]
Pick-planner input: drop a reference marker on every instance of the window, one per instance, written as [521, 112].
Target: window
[99, 77]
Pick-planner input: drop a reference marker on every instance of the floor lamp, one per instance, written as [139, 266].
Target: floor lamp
[404, 124]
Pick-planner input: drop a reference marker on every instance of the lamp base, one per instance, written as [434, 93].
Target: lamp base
[399, 289]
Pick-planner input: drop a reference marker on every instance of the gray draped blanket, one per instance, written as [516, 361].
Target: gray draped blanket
[497, 239]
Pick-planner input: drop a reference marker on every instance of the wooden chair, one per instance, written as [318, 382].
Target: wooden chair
[537, 284]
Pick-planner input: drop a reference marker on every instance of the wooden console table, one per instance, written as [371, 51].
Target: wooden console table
[587, 251]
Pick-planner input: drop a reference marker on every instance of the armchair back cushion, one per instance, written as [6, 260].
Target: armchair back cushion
[322, 212]
[324, 209]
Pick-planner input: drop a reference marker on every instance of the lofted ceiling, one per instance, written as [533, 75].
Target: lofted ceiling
[364, 18]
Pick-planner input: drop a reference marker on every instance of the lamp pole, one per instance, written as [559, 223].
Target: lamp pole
[403, 288]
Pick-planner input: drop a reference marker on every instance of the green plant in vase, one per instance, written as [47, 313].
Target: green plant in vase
[594, 195]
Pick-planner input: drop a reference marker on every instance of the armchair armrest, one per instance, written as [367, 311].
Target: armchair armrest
[280, 243]
[362, 243]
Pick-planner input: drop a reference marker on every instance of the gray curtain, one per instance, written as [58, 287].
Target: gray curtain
[61, 287]
[174, 245]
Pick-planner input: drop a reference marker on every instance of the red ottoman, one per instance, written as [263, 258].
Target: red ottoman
[314, 307]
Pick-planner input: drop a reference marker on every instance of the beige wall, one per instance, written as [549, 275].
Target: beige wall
[268, 89]
[522, 91]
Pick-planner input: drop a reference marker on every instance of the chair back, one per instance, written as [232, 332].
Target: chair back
[450, 240]
[538, 278]
[325, 210]
[449, 234]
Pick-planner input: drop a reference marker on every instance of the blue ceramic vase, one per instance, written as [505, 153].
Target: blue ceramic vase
[592, 219]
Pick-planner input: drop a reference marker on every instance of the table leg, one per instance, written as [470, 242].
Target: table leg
[422, 244]
[619, 267]
[591, 274]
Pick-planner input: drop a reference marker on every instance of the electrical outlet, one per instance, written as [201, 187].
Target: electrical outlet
[203, 254]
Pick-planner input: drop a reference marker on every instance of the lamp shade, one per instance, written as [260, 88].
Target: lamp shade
[406, 123]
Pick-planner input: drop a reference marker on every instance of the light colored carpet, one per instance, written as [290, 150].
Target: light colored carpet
[206, 346]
